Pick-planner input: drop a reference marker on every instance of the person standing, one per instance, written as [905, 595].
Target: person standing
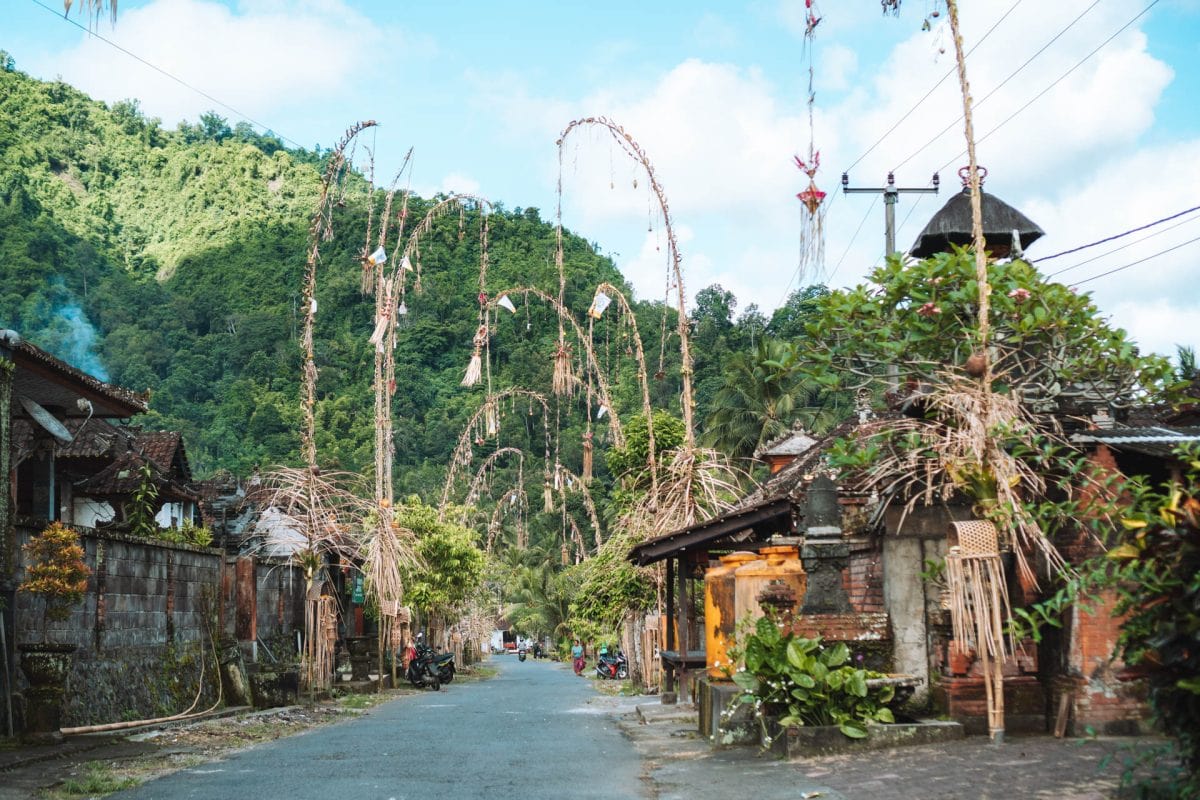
[577, 657]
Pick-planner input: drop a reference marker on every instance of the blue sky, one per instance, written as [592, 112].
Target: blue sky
[715, 92]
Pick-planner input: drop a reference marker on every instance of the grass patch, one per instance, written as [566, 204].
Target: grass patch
[98, 780]
[358, 701]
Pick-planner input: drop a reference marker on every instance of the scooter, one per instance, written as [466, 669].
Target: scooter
[613, 666]
[422, 671]
[521, 654]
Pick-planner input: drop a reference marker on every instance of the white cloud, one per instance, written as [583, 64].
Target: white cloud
[455, 183]
[1157, 301]
[267, 56]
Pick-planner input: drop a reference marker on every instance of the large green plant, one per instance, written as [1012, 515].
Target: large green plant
[803, 682]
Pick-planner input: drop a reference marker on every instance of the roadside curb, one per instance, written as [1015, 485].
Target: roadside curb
[25, 755]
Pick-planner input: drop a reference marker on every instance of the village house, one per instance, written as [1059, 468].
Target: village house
[141, 639]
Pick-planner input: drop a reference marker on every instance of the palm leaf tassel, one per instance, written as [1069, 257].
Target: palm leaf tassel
[587, 457]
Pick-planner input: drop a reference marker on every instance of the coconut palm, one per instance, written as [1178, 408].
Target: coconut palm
[763, 394]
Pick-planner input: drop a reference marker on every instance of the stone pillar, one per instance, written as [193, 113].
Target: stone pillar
[824, 554]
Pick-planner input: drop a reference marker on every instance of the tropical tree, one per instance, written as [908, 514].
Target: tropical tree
[764, 391]
[539, 596]
[451, 564]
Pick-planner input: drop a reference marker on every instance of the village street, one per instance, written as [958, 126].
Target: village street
[538, 731]
[529, 731]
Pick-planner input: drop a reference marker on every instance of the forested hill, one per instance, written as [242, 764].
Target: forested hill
[172, 261]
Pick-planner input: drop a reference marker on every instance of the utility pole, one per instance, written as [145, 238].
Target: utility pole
[891, 194]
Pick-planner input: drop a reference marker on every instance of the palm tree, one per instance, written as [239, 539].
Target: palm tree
[763, 393]
[1187, 369]
[539, 597]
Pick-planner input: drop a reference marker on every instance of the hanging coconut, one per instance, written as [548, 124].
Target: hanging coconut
[976, 365]
[587, 457]
[564, 376]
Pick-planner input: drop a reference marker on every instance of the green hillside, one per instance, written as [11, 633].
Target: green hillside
[171, 261]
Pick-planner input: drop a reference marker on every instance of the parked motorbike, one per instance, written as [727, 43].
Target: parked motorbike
[422, 669]
[610, 665]
[445, 666]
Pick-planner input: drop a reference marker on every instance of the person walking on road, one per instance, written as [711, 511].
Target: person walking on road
[577, 657]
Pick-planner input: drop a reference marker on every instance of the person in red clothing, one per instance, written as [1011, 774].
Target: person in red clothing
[577, 657]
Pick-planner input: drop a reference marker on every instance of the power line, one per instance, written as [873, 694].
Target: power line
[1117, 250]
[163, 72]
[853, 238]
[1122, 247]
[1135, 263]
[1001, 85]
[1059, 80]
[1118, 235]
[932, 89]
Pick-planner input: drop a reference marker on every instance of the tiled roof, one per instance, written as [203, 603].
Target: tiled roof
[162, 447]
[94, 438]
[109, 400]
[792, 443]
[123, 477]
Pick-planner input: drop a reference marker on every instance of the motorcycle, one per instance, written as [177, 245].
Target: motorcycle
[422, 670]
[613, 666]
[445, 665]
[521, 654]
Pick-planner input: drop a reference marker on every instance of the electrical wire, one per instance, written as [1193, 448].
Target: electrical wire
[1135, 263]
[999, 86]
[932, 89]
[163, 72]
[1118, 235]
[1122, 247]
[853, 238]
[1059, 80]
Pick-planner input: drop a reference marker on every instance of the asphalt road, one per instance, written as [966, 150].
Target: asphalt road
[530, 732]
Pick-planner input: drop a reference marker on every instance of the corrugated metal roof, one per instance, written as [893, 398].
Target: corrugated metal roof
[1159, 441]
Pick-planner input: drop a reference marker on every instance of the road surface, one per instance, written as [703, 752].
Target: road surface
[530, 732]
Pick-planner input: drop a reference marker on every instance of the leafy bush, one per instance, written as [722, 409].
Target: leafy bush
[803, 682]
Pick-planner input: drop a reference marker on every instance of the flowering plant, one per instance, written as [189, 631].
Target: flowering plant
[55, 570]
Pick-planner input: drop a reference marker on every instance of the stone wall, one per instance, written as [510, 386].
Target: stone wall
[142, 640]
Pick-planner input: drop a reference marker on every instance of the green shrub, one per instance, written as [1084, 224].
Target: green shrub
[803, 682]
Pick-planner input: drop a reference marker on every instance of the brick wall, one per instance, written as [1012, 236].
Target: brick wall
[863, 577]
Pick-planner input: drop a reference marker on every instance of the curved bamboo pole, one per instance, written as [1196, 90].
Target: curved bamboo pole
[384, 310]
[463, 451]
[320, 229]
[614, 424]
[393, 291]
[643, 380]
[634, 150]
[568, 480]
[479, 482]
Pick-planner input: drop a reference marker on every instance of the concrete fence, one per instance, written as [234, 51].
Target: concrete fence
[143, 634]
